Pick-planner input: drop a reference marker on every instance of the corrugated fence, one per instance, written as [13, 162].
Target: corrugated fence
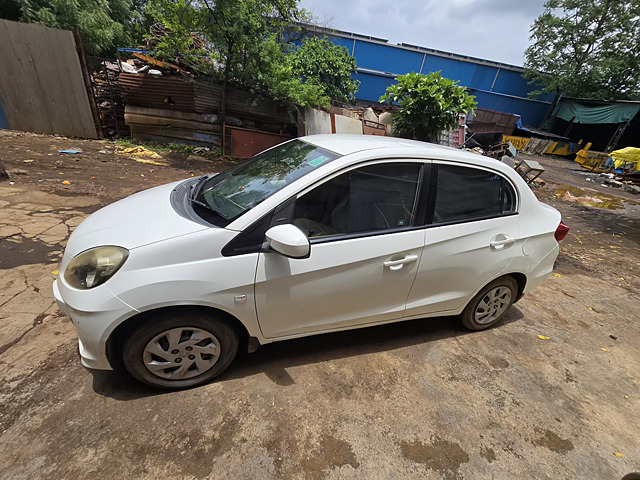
[42, 87]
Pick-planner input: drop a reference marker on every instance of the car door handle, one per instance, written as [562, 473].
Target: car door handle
[397, 264]
[502, 241]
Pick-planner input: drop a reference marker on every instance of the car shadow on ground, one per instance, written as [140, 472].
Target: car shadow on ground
[274, 359]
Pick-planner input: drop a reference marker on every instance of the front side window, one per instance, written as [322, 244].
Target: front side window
[470, 193]
[232, 193]
[370, 198]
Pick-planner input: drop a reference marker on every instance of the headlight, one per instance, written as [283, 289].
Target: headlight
[95, 266]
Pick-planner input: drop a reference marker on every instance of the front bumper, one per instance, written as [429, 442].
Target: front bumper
[95, 314]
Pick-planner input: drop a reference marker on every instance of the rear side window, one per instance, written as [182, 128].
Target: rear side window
[470, 193]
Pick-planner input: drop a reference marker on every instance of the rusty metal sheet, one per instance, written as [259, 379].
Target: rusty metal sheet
[370, 127]
[176, 93]
[163, 134]
[157, 92]
[505, 122]
[246, 143]
[135, 115]
[42, 87]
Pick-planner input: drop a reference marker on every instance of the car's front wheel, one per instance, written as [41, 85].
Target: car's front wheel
[490, 304]
[180, 350]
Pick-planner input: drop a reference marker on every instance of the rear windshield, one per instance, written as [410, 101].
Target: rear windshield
[236, 191]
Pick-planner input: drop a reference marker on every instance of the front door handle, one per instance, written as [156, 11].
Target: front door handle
[397, 264]
[502, 241]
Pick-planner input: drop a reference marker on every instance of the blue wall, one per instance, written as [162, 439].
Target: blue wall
[497, 86]
[4, 123]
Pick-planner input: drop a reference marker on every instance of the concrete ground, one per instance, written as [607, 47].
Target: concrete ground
[422, 399]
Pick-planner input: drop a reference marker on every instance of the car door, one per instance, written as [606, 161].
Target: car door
[473, 237]
[364, 227]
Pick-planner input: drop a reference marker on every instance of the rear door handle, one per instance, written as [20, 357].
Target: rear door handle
[397, 264]
[502, 241]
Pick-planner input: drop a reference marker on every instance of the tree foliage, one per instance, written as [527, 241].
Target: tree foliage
[103, 25]
[428, 104]
[244, 43]
[319, 62]
[587, 49]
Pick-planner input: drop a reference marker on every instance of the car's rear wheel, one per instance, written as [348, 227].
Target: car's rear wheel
[490, 304]
[182, 350]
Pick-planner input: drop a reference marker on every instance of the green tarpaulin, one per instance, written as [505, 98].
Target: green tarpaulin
[583, 112]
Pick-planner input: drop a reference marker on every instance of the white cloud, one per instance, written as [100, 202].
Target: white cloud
[490, 29]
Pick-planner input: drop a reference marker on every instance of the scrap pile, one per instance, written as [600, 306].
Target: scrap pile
[622, 164]
[104, 81]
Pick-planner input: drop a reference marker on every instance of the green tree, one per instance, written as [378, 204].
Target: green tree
[319, 62]
[10, 9]
[103, 25]
[428, 105]
[238, 35]
[238, 42]
[587, 49]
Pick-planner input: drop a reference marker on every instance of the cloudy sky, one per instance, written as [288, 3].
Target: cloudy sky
[490, 29]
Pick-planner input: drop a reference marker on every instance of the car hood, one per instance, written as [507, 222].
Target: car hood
[143, 218]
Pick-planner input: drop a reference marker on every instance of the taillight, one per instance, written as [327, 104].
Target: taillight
[561, 231]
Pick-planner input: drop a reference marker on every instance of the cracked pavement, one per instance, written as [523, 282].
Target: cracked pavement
[34, 227]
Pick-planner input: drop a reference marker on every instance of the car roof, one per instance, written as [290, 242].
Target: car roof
[345, 144]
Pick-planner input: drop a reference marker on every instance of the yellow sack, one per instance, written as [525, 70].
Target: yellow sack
[139, 152]
[626, 156]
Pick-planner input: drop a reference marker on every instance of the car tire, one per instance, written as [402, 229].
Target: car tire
[180, 350]
[490, 304]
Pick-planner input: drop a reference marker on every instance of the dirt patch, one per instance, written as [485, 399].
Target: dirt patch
[488, 454]
[34, 160]
[331, 452]
[554, 443]
[441, 455]
[498, 362]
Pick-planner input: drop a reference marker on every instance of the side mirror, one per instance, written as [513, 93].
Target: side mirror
[289, 241]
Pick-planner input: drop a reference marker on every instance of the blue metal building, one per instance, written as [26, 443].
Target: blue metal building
[496, 85]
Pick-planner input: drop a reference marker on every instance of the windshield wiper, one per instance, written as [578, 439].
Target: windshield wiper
[207, 207]
[194, 189]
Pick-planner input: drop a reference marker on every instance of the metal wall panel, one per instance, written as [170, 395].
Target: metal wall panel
[42, 88]
[511, 83]
[483, 77]
[494, 84]
[343, 42]
[387, 58]
[372, 86]
[453, 69]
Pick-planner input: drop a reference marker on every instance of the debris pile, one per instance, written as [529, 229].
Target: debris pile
[104, 80]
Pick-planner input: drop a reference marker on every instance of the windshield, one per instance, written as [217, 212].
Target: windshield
[232, 193]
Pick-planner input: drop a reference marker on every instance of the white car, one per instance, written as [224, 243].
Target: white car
[318, 234]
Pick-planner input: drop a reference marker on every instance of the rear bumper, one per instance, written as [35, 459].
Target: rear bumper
[94, 317]
[538, 274]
